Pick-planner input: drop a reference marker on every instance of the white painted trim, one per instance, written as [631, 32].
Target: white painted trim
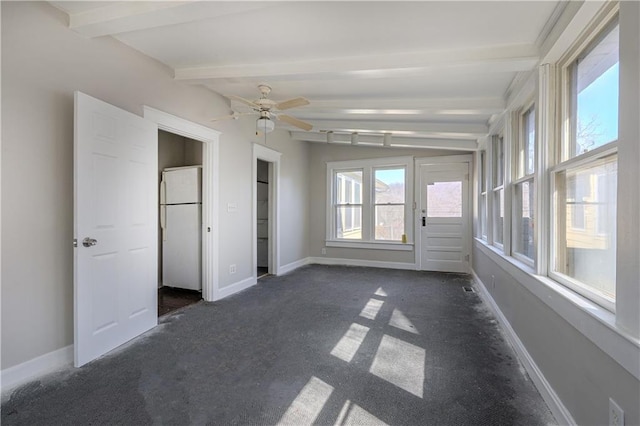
[367, 166]
[361, 262]
[379, 245]
[12, 377]
[593, 321]
[236, 287]
[284, 269]
[562, 415]
[210, 190]
[261, 152]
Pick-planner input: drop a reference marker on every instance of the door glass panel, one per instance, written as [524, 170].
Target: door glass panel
[444, 199]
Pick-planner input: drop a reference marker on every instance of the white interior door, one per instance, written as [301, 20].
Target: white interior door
[444, 217]
[115, 225]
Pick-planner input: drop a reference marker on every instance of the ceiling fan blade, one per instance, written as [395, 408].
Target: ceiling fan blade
[295, 122]
[292, 103]
[244, 101]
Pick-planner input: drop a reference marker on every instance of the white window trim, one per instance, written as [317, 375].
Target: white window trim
[520, 176]
[561, 160]
[368, 240]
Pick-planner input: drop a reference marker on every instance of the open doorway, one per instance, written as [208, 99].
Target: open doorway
[262, 214]
[180, 221]
[266, 174]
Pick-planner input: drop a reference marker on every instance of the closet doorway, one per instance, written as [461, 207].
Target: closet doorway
[262, 222]
[266, 173]
[179, 221]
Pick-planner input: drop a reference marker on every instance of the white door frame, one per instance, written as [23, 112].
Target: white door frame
[261, 152]
[210, 191]
[419, 162]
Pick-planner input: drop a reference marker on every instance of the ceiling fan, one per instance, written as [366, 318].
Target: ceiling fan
[268, 109]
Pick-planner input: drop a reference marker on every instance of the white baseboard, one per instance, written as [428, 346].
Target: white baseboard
[359, 262]
[235, 287]
[562, 415]
[12, 377]
[293, 265]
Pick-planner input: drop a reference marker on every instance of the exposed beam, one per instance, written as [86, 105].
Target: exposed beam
[444, 106]
[374, 140]
[511, 58]
[123, 17]
[461, 130]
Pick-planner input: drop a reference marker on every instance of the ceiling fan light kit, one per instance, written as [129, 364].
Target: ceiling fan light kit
[268, 108]
[265, 125]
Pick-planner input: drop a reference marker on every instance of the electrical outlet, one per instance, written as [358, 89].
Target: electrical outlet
[616, 415]
[232, 269]
[324, 251]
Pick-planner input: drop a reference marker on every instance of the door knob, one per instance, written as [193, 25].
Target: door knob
[89, 242]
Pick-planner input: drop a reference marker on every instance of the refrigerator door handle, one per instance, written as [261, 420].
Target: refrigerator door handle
[163, 221]
[163, 192]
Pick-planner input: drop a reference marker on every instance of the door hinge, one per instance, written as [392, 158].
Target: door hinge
[75, 242]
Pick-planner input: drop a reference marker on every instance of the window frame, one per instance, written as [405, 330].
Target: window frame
[482, 206]
[521, 176]
[562, 161]
[496, 188]
[369, 167]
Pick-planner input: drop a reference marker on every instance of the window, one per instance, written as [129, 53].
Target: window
[368, 203]
[585, 181]
[593, 86]
[389, 203]
[483, 195]
[586, 251]
[524, 189]
[348, 205]
[498, 191]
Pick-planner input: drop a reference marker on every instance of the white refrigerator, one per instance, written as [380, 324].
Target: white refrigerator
[181, 223]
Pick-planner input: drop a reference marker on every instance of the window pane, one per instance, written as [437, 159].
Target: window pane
[483, 216]
[349, 187]
[498, 162]
[389, 223]
[523, 232]
[483, 171]
[529, 142]
[444, 199]
[586, 241]
[498, 216]
[596, 92]
[389, 186]
[349, 222]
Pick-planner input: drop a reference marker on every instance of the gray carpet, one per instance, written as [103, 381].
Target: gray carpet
[315, 346]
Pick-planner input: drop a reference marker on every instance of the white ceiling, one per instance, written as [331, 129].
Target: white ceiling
[432, 73]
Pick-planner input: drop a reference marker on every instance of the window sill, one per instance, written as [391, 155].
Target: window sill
[387, 245]
[593, 321]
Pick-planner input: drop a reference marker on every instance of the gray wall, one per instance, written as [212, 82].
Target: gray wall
[582, 375]
[581, 372]
[321, 154]
[43, 63]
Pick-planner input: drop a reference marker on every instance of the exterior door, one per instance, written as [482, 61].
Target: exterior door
[115, 226]
[444, 217]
